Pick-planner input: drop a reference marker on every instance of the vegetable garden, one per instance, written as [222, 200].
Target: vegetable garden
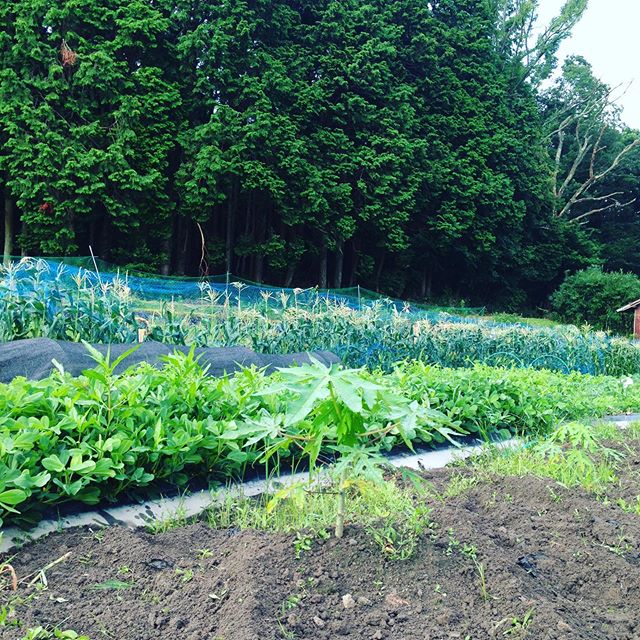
[411, 378]
[61, 302]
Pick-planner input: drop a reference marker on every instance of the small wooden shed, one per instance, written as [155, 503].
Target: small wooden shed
[635, 306]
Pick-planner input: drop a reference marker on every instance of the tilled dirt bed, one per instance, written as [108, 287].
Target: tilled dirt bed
[558, 564]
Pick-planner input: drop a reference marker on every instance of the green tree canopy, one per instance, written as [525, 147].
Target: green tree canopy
[400, 144]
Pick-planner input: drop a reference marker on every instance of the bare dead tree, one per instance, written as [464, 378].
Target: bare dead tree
[587, 125]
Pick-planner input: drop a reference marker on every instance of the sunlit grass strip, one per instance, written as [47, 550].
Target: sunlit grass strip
[575, 455]
[312, 508]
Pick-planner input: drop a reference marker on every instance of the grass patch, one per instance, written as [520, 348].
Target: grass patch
[312, 509]
[574, 455]
[389, 514]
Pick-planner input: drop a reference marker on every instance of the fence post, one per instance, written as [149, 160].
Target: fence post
[359, 299]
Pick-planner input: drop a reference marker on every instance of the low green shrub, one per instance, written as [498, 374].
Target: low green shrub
[591, 296]
[94, 437]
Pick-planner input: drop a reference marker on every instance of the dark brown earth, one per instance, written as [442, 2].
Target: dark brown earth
[558, 558]
[628, 486]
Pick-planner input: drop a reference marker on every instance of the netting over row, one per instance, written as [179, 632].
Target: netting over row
[42, 273]
[69, 301]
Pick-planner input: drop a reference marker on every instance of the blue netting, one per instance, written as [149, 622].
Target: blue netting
[75, 300]
[63, 273]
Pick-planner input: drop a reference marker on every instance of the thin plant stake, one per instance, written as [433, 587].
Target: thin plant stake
[95, 264]
[341, 505]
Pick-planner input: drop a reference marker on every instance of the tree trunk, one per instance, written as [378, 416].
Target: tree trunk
[9, 215]
[291, 270]
[244, 263]
[425, 283]
[183, 247]
[97, 233]
[379, 269]
[174, 242]
[353, 268]
[230, 235]
[337, 276]
[165, 267]
[322, 276]
[261, 237]
[106, 238]
[258, 268]
[93, 232]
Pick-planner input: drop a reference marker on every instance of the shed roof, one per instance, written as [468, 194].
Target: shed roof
[631, 305]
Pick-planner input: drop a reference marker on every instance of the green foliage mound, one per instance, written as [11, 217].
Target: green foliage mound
[592, 296]
[95, 437]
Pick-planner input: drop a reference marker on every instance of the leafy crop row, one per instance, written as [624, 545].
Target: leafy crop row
[94, 437]
[35, 302]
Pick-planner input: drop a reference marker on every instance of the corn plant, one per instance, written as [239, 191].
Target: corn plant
[37, 299]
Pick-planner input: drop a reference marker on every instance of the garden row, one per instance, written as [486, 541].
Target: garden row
[39, 303]
[94, 437]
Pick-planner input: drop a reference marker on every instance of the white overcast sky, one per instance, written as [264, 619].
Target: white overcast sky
[608, 36]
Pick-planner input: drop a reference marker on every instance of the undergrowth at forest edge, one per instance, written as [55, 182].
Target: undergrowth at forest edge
[94, 437]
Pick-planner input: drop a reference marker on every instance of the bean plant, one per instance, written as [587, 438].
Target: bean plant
[98, 436]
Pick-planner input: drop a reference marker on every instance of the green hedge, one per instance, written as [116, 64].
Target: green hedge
[593, 296]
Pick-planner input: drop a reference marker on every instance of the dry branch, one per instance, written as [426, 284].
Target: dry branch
[588, 140]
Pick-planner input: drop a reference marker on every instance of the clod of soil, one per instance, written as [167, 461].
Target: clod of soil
[538, 564]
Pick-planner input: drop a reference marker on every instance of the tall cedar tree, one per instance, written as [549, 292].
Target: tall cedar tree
[393, 143]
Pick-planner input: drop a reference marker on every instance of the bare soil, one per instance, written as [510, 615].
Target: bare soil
[558, 564]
